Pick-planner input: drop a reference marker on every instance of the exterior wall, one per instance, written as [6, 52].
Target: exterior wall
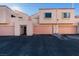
[6, 30]
[65, 20]
[30, 29]
[12, 25]
[23, 21]
[6, 26]
[54, 28]
[35, 18]
[42, 29]
[38, 24]
[43, 20]
[65, 25]
[56, 16]
[17, 30]
[4, 14]
[67, 29]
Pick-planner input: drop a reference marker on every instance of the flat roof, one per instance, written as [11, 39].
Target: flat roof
[77, 16]
[4, 6]
[54, 8]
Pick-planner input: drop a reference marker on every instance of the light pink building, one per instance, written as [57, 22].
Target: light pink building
[46, 21]
[55, 20]
[14, 23]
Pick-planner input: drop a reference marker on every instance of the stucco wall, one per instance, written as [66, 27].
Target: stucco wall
[67, 29]
[3, 14]
[23, 21]
[56, 16]
[6, 30]
[42, 29]
[38, 23]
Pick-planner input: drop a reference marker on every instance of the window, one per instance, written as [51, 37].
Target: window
[12, 16]
[66, 15]
[20, 17]
[48, 15]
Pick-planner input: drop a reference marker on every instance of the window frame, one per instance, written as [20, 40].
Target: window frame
[20, 17]
[66, 15]
[48, 16]
[13, 16]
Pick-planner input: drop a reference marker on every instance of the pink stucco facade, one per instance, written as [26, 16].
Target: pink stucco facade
[42, 29]
[67, 29]
[11, 22]
[37, 23]
[6, 30]
[57, 23]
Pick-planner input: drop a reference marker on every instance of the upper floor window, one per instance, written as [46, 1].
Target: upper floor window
[48, 15]
[20, 17]
[66, 15]
[12, 16]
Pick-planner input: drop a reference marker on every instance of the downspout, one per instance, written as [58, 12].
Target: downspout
[55, 25]
[56, 31]
[77, 26]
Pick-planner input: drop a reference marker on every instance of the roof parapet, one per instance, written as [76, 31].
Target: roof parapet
[54, 8]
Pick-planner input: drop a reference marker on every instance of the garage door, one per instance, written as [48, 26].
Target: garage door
[67, 29]
[42, 29]
[6, 30]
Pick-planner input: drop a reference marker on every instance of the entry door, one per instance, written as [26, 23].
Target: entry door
[23, 30]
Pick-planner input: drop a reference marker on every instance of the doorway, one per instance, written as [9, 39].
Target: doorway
[23, 30]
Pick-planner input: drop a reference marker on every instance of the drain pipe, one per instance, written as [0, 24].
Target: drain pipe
[56, 31]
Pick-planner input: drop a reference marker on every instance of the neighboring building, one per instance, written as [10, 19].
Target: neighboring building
[46, 21]
[14, 23]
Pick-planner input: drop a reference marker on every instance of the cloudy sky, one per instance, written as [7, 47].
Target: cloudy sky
[32, 8]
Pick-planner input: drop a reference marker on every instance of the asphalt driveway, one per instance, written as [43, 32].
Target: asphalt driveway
[38, 46]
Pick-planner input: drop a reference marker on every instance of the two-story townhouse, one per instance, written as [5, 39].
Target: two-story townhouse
[23, 24]
[6, 28]
[46, 21]
[55, 21]
[14, 23]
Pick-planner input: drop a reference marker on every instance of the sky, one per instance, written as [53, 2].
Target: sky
[32, 8]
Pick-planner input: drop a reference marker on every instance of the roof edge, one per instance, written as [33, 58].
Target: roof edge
[54, 8]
